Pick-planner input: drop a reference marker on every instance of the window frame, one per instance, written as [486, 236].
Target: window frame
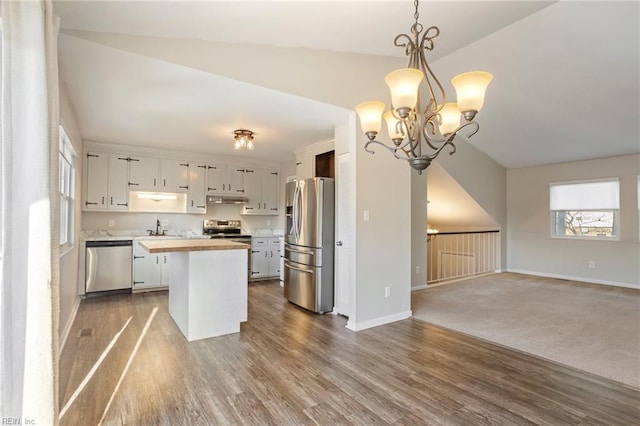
[616, 213]
[66, 190]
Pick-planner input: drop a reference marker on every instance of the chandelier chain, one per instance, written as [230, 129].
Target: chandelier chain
[416, 15]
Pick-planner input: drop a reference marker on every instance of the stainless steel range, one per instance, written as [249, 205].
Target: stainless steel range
[228, 229]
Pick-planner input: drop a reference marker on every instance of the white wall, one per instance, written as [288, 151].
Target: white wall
[69, 300]
[532, 250]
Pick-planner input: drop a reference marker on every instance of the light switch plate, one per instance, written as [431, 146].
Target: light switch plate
[366, 215]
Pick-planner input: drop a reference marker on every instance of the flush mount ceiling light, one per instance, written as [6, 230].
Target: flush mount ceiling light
[439, 123]
[244, 139]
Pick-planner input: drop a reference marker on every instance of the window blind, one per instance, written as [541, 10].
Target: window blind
[599, 195]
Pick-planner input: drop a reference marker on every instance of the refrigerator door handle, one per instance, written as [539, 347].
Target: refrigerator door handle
[299, 251]
[296, 213]
[287, 264]
[299, 208]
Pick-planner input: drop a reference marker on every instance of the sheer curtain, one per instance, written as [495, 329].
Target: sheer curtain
[28, 212]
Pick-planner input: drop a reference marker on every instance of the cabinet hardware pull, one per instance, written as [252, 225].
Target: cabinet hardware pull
[133, 184]
[138, 282]
[122, 204]
[200, 207]
[255, 251]
[229, 188]
[246, 208]
[202, 167]
[165, 259]
[210, 188]
[224, 185]
[274, 173]
[191, 203]
[92, 155]
[111, 200]
[156, 260]
[253, 273]
[298, 163]
[239, 190]
[240, 170]
[184, 187]
[132, 159]
[212, 167]
[248, 171]
[265, 254]
[138, 257]
[274, 208]
[88, 203]
[184, 164]
[164, 182]
[123, 159]
[154, 181]
[102, 200]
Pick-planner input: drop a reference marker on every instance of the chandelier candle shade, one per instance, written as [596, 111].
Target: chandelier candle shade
[243, 139]
[410, 128]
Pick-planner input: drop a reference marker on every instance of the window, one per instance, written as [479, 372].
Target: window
[585, 209]
[66, 160]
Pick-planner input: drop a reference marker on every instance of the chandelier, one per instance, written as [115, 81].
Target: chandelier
[244, 139]
[439, 123]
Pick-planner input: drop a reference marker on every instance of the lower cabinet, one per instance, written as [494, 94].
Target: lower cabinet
[265, 257]
[150, 271]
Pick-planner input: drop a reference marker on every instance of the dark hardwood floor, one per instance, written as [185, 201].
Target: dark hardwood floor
[291, 367]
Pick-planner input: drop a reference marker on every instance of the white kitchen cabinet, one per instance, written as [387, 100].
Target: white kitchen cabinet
[106, 182]
[261, 188]
[143, 173]
[196, 197]
[227, 179]
[265, 257]
[149, 270]
[175, 176]
[304, 166]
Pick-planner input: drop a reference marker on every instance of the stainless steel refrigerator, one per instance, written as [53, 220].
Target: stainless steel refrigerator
[309, 239]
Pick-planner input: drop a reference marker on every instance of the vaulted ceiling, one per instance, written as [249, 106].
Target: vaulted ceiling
[184, 75]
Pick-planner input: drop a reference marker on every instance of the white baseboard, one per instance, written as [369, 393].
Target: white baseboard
[572, 278]
[378, 321]
[67, 327]
[419, 287]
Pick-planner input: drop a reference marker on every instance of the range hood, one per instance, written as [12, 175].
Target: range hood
[226, 199]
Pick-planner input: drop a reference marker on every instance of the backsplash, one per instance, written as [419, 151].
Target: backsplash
[179, 221]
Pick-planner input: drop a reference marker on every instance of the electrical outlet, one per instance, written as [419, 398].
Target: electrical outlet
[112, 223]
[592, 264]
[387, 292]
[417, 270]
[366, 215]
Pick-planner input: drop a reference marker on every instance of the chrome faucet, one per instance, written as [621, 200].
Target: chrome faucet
[150, 231]
[157, 226]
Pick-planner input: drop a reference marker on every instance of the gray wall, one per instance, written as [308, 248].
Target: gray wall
[532, 250]
[419, 229]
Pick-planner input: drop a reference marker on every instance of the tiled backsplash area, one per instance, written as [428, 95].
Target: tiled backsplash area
[180, 221]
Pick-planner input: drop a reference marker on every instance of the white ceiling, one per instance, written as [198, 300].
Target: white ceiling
[555, 74]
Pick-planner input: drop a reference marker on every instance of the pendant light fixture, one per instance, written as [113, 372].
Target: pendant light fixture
[243, 139]
[418, 136]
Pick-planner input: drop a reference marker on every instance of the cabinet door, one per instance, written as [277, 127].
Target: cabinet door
[216, 179]
[197, 200]
[270, 185]
[117, 188]
[97, 181]
[304, 166]
[253, 191]
[175, 176]
[146, 268]
[143, 174]
[274, 256]
[236, 180]
[259, 258]
[164, 268]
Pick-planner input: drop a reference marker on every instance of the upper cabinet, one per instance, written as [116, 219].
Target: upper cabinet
[306, 159]
[196, 198]
[225, 179]
[175, 176]
[117, 182]
[261, 188]
[143, 173]
[107, 179]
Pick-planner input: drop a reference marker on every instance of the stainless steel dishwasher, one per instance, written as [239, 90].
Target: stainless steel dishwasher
[108, 266]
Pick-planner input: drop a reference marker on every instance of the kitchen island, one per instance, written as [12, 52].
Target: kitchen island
[207, 285]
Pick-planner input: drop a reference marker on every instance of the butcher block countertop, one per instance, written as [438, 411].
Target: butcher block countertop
[164, 246]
